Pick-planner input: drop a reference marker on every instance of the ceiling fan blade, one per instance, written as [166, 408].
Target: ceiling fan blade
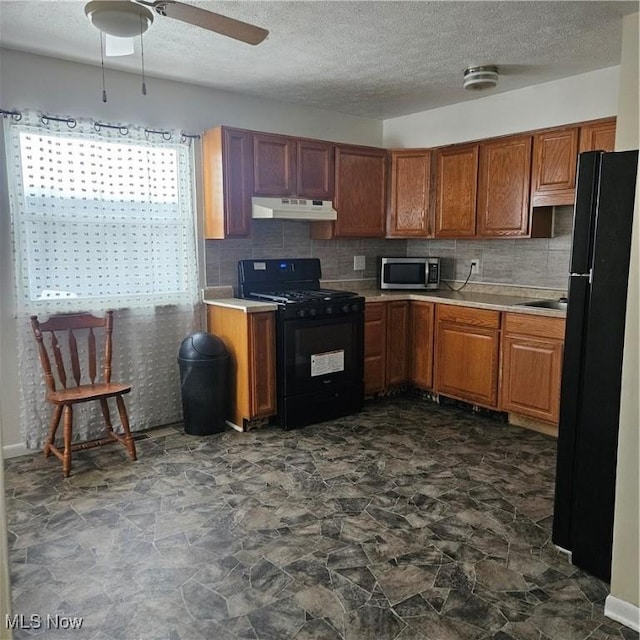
[223, 25]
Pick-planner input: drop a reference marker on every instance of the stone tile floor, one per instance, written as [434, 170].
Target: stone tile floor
[407, 521]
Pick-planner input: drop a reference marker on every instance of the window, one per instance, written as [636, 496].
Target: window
[101, 220]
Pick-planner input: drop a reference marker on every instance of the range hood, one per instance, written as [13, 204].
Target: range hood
[292, 209]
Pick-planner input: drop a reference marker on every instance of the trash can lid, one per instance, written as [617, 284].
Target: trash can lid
[202, 346]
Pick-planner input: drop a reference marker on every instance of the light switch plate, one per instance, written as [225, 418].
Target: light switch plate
[359, 263]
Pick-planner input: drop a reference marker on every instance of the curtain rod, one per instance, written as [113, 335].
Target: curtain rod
[122, 129]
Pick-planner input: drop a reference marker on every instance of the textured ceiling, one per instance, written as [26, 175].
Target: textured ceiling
[376, 59]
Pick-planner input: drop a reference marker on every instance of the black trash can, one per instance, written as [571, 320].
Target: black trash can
[204, 364]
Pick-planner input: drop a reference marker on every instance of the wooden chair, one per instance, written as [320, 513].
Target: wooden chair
[64, 399]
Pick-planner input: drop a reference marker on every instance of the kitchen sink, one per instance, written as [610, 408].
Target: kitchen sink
[560, 305]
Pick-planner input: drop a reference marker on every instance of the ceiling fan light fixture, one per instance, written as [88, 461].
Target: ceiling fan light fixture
[118, 18]
[481, 77]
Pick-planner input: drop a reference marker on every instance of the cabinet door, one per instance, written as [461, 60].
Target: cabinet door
[360, 198]
[262, 358]
[315, 169]
[227, 160]
[503, 187]
[410, 193]
[456, 180]
[397, 336]
[467, 353]
[555, 155]
[421, 343]
[250, 342]
[274, 160]
[374, 346]
[467, 363]
[598, 136]
[531, 374]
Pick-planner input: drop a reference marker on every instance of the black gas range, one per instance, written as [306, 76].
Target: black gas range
[319, 339]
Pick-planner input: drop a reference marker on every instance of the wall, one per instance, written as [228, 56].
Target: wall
[538, 262]
[60, 87]
[278, 238]
[625, 583]
[587, 96]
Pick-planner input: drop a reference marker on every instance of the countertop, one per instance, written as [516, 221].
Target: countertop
[493, 301]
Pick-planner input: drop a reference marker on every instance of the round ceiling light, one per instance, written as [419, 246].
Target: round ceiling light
[478, 78]
[118, 18]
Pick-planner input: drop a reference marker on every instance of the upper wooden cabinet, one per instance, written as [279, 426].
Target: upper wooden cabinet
[599, 135]
[274, 165]
[555, 154]
[456, 186]
[409, 205]
[315, 172]
[503, 187]
[227, 160]
[285, 166]
[360, 191]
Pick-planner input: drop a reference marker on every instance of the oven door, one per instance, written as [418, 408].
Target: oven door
[320, 354]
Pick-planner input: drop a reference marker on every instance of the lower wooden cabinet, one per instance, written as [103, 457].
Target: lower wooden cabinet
[250, 339]
[397, 369]
[467, 354]
[398, 344]
[532, 350]
[375, 342]
[510, 362]
[421, 316]
[387, 345]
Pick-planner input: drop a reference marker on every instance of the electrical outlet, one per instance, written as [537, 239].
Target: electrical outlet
[359, 263]
[475, 266]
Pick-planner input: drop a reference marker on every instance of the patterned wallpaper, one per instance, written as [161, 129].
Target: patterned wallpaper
[526, 262]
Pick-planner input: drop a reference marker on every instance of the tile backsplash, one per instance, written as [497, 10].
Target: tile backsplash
[529, 262]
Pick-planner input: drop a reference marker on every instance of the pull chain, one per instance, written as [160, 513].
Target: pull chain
[104, 90]
[144, 84]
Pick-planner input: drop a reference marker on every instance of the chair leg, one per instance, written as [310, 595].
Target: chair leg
[124, 418]
[53, 427]
[106, 415]
[68, 425]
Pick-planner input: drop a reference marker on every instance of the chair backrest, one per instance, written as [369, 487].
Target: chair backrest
[73, 323]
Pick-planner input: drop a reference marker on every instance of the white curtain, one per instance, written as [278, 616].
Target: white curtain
[103, 218]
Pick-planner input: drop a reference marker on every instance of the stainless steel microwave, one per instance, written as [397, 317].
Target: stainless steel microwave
[410, 273]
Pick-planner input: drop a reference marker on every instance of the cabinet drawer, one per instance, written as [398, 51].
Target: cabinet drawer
[373, 311]
[530, 325]
[468, 316]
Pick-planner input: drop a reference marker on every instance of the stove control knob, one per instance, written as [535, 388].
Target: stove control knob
[312, 312]
[301, 313]
[329, 310]
[354, 307]
[345, 308]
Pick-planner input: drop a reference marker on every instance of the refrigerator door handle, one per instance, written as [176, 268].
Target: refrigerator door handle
[589, 275]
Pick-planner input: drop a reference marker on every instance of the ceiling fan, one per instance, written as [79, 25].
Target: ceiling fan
[129, 18]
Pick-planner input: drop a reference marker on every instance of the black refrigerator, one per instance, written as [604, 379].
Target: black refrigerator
[592, 367]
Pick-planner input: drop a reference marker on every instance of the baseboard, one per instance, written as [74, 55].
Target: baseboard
[624, 612]
[17, 450]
